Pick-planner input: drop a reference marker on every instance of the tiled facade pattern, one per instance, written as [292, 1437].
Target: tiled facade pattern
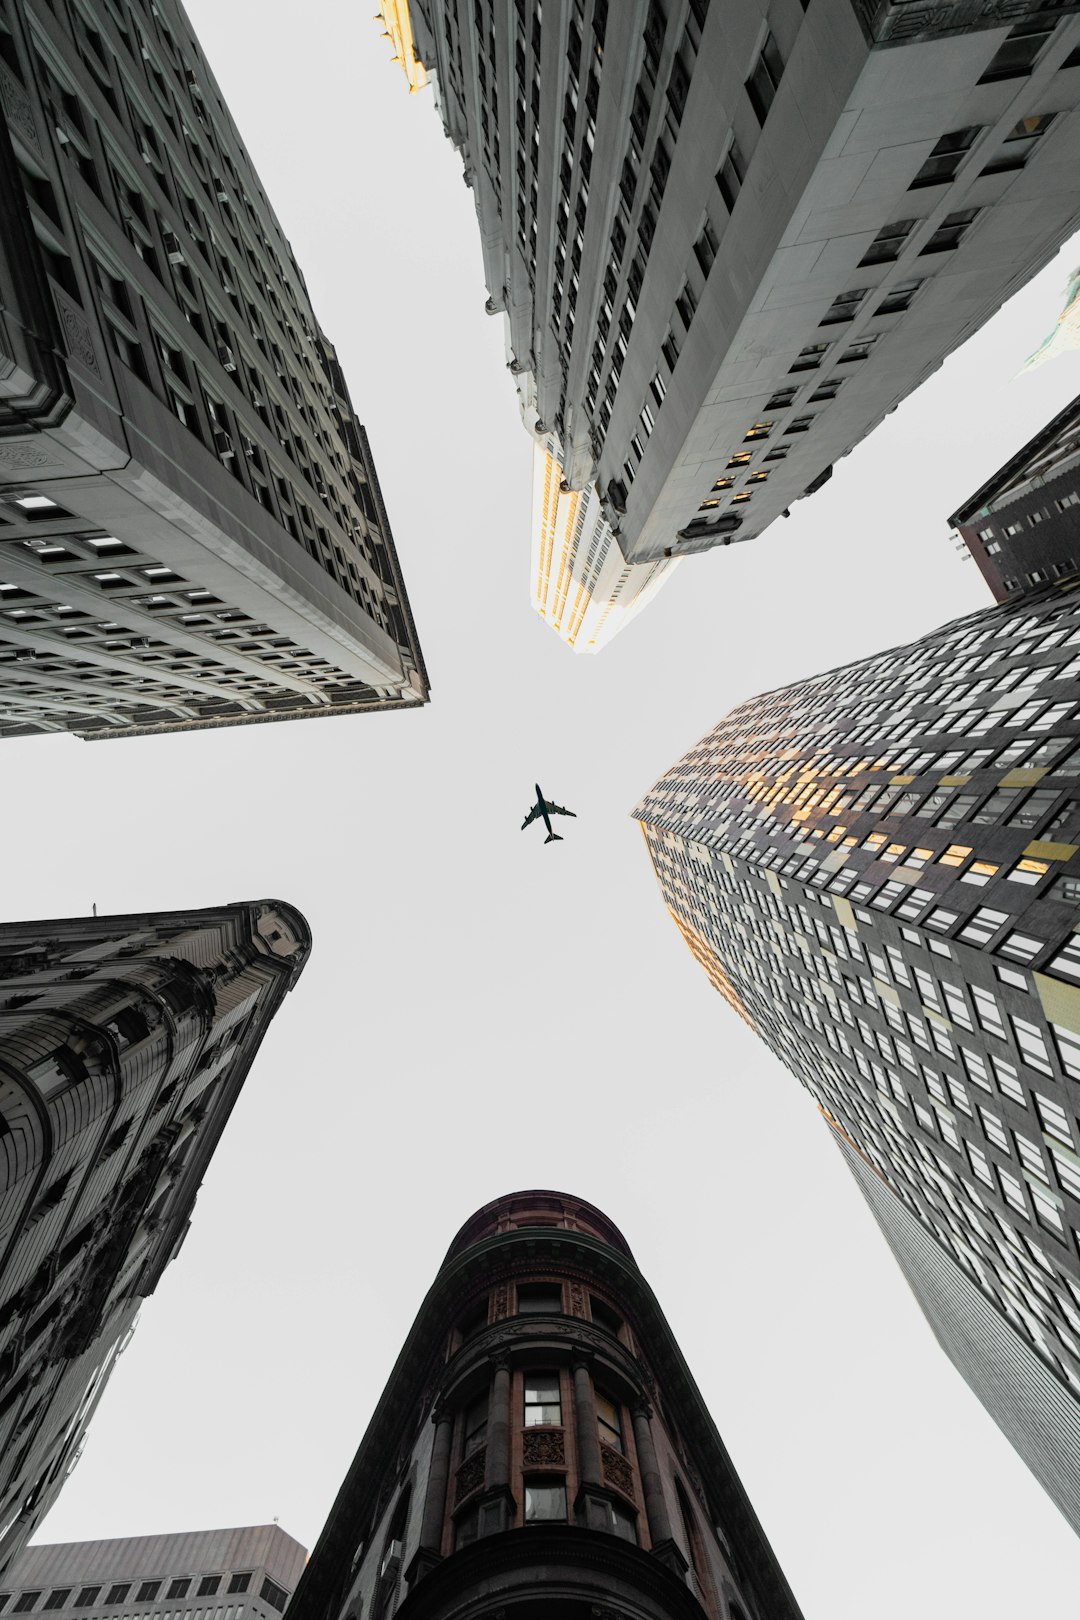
[242, 1574]
[191, 528]
[881, 868]
[540, 1445]
[124, 1042]
[1023, 525]
[728, 238]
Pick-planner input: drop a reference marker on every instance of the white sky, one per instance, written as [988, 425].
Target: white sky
[481, 1013]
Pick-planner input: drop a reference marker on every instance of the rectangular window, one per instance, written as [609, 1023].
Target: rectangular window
[118, 1593]
[765, 78]
[951, 232]
[545, 1501]
[208, 1586]
[1032, 1046]
[889, 242]
[844, 307]
[946, 157]
[898, 298]
[240, 1582]
[178, 1588]
[148, 1591]
[730, 175]
[810, 358]
[25, 1602]
[275, 1595]
[543, 1404]
[88, 1595]
[475, 1426]
[608, 1421]
[539, 1299]
[983, 924]
[58, 1599]
[1019, 143]
[1015, 58]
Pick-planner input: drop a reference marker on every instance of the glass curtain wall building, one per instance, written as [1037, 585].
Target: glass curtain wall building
[191, 528]
[728, 236]
[879, 868]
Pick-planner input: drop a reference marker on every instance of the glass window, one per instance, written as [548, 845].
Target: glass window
[540, 1299]
[475, 1425]
[58, 1599]
[208, 1585]
[240, 1582]
[87, 1595]
[545, 1501]
[946, 157]
[272, 1593]
[604, 1316]
[178, 1588]
[542, 1401]
[25, 1602]
[622, 1523]
[118, 1593]
[609, 1421]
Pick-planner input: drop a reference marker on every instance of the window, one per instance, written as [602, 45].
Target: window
[827, 390]
[764, 79]
[118, 1593]
[609, 1421]
[178, 1588]
[1014, 59]
[859, 350]
[1031, 1044]
[545, 1501]
[604, 1316]
[272, 1593]
[899, 298]
[1019, 143]
[88, 1595]
[844, 307]
[208, 1585]
[946, 157]
[474, 1427]
[539, 1299]
[950, 233]
[889, 242]
[58, 1599]
[25, 1602]
[730, 175]
[542, 1401]
[239, 1583]
[810, 358]
[1066, 963]
[621, 1521]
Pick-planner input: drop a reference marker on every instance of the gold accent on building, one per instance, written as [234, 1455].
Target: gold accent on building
[709, 960]
[1045, 849]
[1060, 1001]
[1022, 778]
[953, 781]
[846, 913]
[900, 781]
[394, 15]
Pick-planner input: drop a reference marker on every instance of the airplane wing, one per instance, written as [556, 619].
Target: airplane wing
[531, 817]
[557, 810]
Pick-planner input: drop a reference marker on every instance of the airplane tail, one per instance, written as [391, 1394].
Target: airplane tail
[553, 838]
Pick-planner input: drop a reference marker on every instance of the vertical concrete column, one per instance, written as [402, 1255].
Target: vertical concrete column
[497, 1474]
[429, 1552]
[652, 1488]
[590, 1465]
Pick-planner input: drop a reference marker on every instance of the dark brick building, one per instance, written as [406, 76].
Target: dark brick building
[541, 1451]
[124, 1042]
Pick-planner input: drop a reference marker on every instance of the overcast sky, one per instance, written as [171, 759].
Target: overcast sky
[482, 1013]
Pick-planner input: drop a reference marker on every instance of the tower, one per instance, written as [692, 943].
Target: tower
[541, 1448]
[727, 238]
[192, 532]
[879, 869]
[124, 1042]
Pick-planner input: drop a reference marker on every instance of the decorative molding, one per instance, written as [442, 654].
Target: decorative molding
[617, 1471]
[19, 108]
[501, 1303]
[887, 22]
[470, 1476]
[77, 338]
[22, 455]
[543, 1448]
[577, 1299]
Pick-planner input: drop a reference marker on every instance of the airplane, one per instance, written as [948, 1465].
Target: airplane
[544, 807]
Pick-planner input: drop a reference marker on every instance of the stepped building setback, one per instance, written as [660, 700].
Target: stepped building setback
[191, 528]
[245, 1574]
[541, 1451]
[727, 238]
[879, 869]
[124, 1042]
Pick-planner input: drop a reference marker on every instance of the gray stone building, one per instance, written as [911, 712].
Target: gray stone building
[191, 528]
[879, 869]
[124, 1042]
[242, 1574]
[541, 1450]
[1023, 525]
[729, 237]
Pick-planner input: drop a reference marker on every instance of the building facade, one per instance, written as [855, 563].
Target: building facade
[541, 1450]
[1023, 525]
[879, 868]
[124, 1042]
[191, 528]
[244, 1574]
[729, 237]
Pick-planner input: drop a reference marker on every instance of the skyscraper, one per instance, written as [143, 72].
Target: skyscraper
[191, 529]
[879, 868]
[727, 238]
[124, 1042]
[1023, 525]
[243, 1574]
[541, 1448]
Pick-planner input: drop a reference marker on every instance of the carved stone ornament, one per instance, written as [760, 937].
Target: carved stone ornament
[543, 1448]
[470, 1476]
[577, 1299]
[617, 1471]
[18, 107]
[501, 1303]
[77, 339]
[22, 455]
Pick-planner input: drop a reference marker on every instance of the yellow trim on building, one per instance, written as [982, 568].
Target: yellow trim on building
[1045, 849]
[1022, 778]
[394, 14]
[1060, 1001]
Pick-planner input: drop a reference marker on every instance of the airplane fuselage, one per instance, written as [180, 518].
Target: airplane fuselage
[543, 806]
